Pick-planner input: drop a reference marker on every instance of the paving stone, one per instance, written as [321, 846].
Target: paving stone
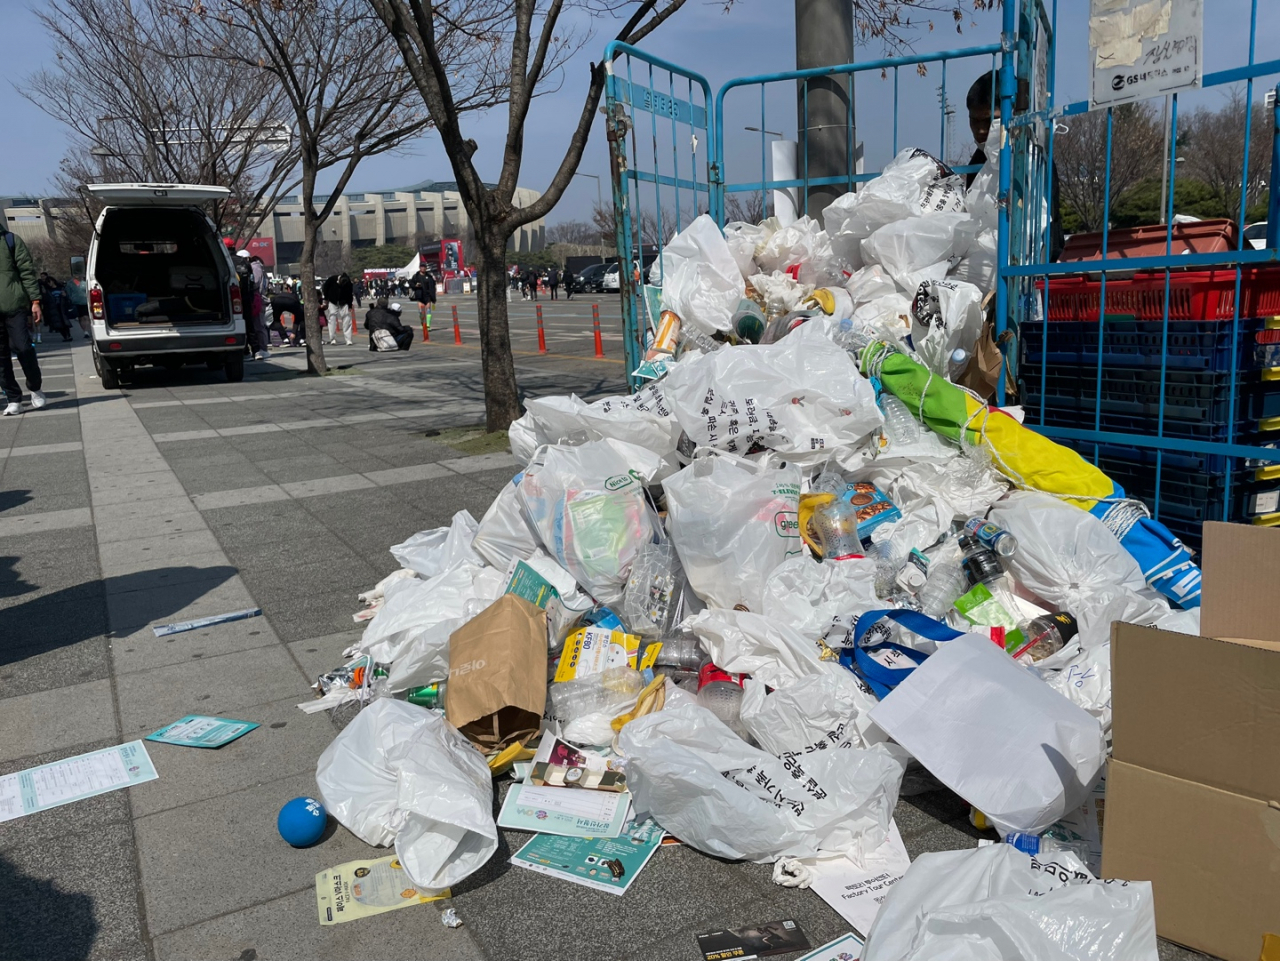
[54, 719]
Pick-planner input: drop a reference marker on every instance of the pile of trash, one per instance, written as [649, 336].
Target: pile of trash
[805, 561]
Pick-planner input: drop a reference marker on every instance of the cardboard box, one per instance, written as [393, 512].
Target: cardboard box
[1193, 789]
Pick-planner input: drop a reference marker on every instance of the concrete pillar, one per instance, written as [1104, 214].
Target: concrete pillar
[824, 38]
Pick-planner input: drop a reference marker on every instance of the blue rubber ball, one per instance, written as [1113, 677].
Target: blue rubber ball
[302, 821]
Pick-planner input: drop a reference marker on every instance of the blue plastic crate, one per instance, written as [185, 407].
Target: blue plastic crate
[123, 308]
[1189, 345]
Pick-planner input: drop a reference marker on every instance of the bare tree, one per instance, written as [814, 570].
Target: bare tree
[345, 104]
[578, 233]
[605, 221]
[141, 106]
[1213, 143]
[1080, 155]
[745, 207]
[526, 43]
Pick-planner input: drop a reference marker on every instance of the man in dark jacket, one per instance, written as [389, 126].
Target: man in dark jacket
[288, 303]
[423, 290]
[19, 311]
[553, 281]
[382, 317]
[568, 279]
[340, 296]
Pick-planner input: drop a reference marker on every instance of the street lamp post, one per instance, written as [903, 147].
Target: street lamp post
[599, 199]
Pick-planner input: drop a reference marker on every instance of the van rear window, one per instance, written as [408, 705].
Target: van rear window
[148, 247]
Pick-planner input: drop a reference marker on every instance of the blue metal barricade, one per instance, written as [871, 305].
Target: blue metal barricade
[1162, 370]
[658, 188]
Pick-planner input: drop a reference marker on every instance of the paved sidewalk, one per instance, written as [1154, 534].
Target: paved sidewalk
[181, 496]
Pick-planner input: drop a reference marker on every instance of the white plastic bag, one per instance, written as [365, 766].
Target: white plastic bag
[433, 552]
[701, 280]
[980, 199]
[401, 773]
[918, 249]
[503, 534]
[978, 266]
[588, 508]
[1069, 557]
[782, 293]
[946, 316]
[643, 419]
[807, 594]
[770, 651]
[815, 713]
[523, 439]
[935, 493]
[868, 284]
[802, 397]
[805, 245]
[733, 522]
[998, 904]
[715, 792]
[412, 606]
[1086, 681]
[744, 240]
[996, 734]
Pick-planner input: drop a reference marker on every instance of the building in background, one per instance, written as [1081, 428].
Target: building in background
[408, 217]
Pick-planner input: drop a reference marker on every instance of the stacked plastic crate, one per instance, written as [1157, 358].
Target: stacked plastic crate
[1221, 384]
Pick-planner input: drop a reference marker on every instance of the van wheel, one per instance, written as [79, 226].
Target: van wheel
[107, 374]
[235, 368]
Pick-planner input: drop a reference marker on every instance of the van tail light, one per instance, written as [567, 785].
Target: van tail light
[95, 304]
[237, 306]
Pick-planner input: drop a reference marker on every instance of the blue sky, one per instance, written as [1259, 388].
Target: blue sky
[757, 36]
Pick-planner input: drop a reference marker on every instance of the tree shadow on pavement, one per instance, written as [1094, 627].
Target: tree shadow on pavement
[74, 614]
[38, 921]
[13, 498]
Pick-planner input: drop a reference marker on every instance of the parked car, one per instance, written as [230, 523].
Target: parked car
[609, 282]
[162, 288]
[588, 282]
[1256, 234]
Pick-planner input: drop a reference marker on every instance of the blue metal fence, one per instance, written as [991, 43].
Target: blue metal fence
[661, 145]
[1168, 383]
[1175, 398]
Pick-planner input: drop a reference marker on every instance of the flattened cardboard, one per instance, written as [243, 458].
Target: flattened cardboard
[1198, 708]
[1212, 857]
[1240, 563]
[498, 673]
[1193, 789]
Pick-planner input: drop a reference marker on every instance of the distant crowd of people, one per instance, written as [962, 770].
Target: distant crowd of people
[528, 282]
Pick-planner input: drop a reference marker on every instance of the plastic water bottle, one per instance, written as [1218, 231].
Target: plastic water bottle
[956, 365]
[991, 535]
[721, 693]
[889, 557]
[946, 582]
[898, 422]
[836, 526]
[829, 482]
[1041, 846]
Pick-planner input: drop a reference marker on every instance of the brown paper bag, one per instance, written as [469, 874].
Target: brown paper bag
[498, 673]
[982, 372]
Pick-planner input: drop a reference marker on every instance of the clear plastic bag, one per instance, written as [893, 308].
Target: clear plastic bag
[588, 508]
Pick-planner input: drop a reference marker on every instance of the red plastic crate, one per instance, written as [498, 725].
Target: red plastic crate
[1195, 295]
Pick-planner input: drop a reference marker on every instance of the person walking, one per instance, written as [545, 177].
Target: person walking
[253, 340]
[78, 303]
[423, 290]
[337, 291]
[385, 320]
[568, 279]
[19, 312]
[52, 305]
[553, 281]
[531, 281]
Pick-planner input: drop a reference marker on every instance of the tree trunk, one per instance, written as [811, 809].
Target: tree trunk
[310, 298]
[501, 396]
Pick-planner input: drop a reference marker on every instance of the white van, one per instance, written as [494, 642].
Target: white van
[162, 288]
